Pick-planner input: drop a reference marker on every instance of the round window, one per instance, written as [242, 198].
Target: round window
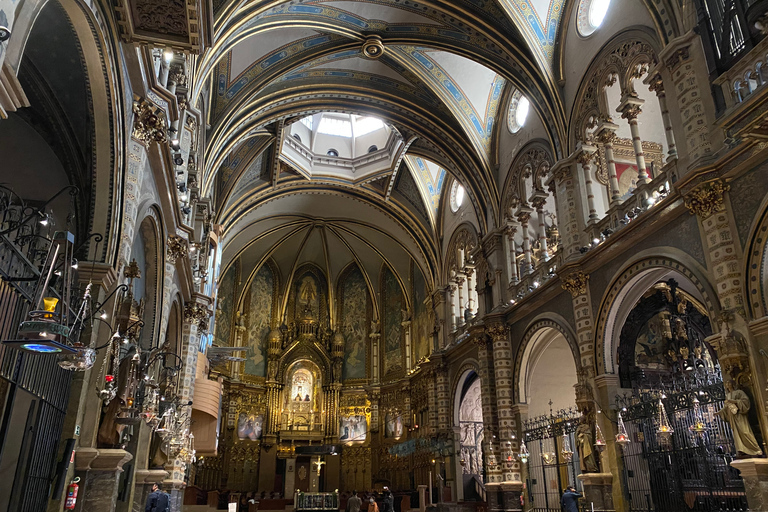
[457, 196]
[519, 106]
[591, 15]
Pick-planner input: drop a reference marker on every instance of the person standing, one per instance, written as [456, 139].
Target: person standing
[157, 501]
[372, 505]
[389, 501]
[569, 501]
[354, 503]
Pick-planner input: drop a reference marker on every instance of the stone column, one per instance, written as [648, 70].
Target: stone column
[585, 157]
[524, 216]
[331, 412]
[606, 387]
[460, 287]
[656, 84]
[631, 108]
[605, 134]
[99, 471]
[498, 332]
[488, 395]
[512, 252]
[538, 201]
[469, 271]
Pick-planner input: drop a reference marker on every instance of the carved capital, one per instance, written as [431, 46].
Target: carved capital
[497, 331]
[707, 198]
[656, 84]
[524, 217]
[195, 313]
[177, 248]
[539, 202]
[148, 123]
[631, 112]
[575, 283]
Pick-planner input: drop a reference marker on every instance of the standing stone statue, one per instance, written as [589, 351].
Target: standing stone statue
[584, 444]
[734, 411]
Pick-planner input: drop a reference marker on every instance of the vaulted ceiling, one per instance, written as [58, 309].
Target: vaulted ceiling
[437, 72]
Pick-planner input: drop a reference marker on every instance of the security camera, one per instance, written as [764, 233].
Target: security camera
[5, 34]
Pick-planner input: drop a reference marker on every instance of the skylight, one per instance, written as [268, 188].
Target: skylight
[333, 126]
[366, 125]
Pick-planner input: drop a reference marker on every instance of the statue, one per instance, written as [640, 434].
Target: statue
[584, 444]
[337, 365]
[307, 292]
[467, 314]
[734, 411]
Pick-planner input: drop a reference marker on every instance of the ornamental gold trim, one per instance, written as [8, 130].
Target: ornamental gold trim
[575, 283]
[707, 199]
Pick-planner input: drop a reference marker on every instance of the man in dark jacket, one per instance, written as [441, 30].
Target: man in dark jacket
[157, 501]
[569, 502]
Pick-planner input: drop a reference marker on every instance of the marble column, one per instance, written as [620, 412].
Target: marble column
[460, 287]
[606, 134]
[570, 208]
[408, 351]
[631, 108]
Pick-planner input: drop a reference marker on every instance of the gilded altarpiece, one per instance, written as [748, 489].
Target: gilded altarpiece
[392, 329]
[355, 319]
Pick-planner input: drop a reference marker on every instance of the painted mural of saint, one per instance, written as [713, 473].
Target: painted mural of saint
[307, 291]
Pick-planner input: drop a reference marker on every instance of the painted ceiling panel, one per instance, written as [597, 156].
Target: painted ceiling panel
[255, 47]
[377, 11]
[359, 64]
[473, 79]
[431, 178]
[538, 19]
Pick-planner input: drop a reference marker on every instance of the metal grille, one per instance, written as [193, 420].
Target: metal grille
[546, 482]
[690, 471]
[727, 29]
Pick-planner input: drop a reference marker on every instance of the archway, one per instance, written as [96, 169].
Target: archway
[468, 419]
[547, 378]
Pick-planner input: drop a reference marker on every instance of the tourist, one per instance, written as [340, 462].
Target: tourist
[354, 503]
[569, 502]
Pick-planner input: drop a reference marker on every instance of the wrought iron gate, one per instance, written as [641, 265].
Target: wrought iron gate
[691, 470]
[554, 460]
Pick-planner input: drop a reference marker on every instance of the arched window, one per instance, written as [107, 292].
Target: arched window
[332, 152]
[591, 15]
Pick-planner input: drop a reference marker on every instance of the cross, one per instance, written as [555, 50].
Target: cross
[319, 465]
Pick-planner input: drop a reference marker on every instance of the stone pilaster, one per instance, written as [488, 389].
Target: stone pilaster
[143, 479]
[443, 395]
[565, 186]
[606, 387]
[488, 393]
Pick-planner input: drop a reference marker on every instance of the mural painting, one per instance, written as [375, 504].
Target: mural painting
[393, 426]
[259, 321]
[392, 325]
[307, 296]
[355, 327]
[353, 428]
[224, 306]
[420, 327]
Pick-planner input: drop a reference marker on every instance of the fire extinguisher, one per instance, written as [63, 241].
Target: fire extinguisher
[72, 494]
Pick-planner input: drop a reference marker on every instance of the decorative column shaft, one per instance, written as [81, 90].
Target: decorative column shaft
[488, 396]
[375, 366]
[512, 251]
[605, 134]
[538, 203]
[469, 272]
[656, 85]
[498, 332]
[576, 283]
[585, 157]
[460, 286]
[524, 216]
[630, 109]
[408, 352]
[452, 289]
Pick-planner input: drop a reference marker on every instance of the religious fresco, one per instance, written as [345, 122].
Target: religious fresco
[225, 299]
[259, 318]
[392, 328]
[652, 345]
[420, 325]
[353, 428]
[308, 292]
[249, 426]
[355, 324]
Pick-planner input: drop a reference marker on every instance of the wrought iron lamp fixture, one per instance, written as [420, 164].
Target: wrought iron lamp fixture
[622, 438]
